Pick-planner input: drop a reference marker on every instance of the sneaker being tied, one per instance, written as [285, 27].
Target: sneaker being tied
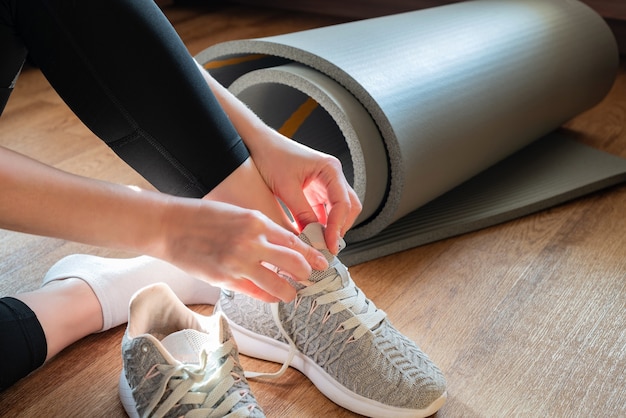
[178, 363]
[339, 339]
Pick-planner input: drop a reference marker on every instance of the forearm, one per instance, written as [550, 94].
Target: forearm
[42, 200]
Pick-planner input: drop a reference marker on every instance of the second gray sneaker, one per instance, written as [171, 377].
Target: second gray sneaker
[179, 363]
[339, 339]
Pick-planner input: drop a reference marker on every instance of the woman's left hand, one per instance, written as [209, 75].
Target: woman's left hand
[311, 184]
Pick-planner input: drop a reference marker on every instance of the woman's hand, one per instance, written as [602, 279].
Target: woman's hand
[311, 184]
[235, 248]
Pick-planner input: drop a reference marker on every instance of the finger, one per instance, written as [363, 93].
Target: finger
[301, 210]
[340, 219]
[269, 282]
[336, 220]
[355, 210]
[321, 213]
[289, 253]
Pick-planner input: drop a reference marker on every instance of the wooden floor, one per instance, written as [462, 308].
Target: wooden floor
[525, 319]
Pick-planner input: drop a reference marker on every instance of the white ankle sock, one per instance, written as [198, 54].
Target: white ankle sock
[115, 281]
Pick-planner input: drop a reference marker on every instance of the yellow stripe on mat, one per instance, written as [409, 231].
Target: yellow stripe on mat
[211, 65]
[298, 117]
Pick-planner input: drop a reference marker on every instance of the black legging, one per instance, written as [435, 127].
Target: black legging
[123, 70]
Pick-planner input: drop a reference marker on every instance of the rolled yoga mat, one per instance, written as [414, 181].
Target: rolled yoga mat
[428, 111]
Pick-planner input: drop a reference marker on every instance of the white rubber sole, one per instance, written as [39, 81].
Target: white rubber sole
[265, 348]
[126, 397]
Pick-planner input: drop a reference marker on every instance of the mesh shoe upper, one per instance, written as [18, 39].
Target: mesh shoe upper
[332, 323]
[177, 363]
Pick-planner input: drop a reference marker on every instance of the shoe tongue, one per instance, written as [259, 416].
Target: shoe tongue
[186, 345]
[313, 234]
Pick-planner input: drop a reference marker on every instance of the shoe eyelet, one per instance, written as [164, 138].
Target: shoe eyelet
[326, 317]
[314, 305]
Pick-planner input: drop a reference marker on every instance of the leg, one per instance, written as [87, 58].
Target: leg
[82, 295]
[67, 310]
[147, 100]
[255, 195]
[154, 109]
[113, 281]
[23, 347]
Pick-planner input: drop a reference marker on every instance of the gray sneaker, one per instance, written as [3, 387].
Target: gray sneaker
[179, 363]
[337, 337]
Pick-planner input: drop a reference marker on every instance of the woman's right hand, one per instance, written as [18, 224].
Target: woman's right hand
[231, 247]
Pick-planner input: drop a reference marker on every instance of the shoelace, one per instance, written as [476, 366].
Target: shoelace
[204, 384]
[340, 292]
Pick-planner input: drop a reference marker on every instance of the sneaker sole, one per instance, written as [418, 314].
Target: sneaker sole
[269, 349]
[126, 396]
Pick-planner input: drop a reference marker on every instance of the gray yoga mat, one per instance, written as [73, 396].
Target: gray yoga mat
[428, 111]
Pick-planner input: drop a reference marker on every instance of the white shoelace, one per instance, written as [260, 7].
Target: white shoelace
[340, 292]
[204, 384]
